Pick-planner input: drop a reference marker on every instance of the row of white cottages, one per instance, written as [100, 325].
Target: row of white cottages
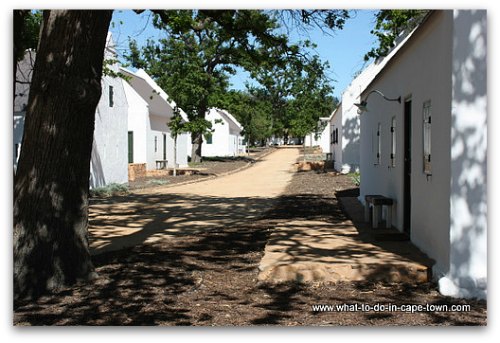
[427, 151]
[131, 125]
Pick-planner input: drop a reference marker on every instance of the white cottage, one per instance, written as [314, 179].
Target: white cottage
[226, 139]
[150, 109]
[109, 147]
[321, 138]
[428, 152]
[344, 121]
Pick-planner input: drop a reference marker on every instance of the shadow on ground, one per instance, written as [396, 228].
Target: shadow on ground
[208, 275]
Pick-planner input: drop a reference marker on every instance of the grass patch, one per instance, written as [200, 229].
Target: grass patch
[110, 190]
[158, 182]
[356, 178]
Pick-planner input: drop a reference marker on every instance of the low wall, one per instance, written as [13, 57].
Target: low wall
[136, 171]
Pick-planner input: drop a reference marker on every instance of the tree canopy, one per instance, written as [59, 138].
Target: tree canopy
[200, 51]
[389, 25]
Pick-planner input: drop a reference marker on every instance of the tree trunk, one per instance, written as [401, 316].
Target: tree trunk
[175, 155]
[197, 141]
[304, 149]
[52, 181]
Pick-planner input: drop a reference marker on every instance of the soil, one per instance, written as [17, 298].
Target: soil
[211, 166]
[210, 279]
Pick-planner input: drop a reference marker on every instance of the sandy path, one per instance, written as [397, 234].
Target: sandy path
[149, 215]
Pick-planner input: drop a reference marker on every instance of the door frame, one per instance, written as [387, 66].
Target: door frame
[164, 147]
[407, 161]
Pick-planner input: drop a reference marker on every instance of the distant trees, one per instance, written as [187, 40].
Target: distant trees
[194, 62]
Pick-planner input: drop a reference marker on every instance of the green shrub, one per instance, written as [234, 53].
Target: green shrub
[158, 182]
[356, 178]
[109, 190]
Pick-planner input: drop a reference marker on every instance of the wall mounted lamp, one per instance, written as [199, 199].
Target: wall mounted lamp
[362, 105]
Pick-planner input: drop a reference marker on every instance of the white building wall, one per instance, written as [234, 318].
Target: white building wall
[348, 122]
[109, 158]
[138, 121]
[414, 73]
[225, 137]
[445, 62]
[467, 276]
[158, 137]
[336, 148]
[17, 136]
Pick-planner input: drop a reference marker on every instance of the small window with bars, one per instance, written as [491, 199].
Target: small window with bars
[427, 121]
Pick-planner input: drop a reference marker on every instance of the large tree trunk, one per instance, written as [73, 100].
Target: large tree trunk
[196, 141]
[52, 180]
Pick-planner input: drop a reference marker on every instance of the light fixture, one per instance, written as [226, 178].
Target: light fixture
[362, 106]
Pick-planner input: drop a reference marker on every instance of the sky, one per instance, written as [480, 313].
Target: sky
[343, 49]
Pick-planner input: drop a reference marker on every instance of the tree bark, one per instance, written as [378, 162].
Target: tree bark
[175, 155]
[196, 141]
[51, 185]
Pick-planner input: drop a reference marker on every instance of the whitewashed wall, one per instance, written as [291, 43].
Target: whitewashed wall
[225, 138]
[336, 148]
[138, 123]
[109, 160]
[159, 128]
[467, 276]
[24, 73]
[109, 157]
[422, 71]
[153, 126]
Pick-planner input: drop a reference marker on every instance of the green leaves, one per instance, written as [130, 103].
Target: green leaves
[389, 25]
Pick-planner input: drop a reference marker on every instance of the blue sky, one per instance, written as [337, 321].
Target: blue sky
[344, 49]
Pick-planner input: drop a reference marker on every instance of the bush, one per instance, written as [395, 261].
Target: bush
[158, 182]
[109, 190]
[356, 178]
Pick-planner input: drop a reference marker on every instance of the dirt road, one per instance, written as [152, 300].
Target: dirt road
[153, 214]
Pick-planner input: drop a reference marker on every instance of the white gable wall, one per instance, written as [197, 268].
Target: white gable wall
[109, 158]
[225, 137]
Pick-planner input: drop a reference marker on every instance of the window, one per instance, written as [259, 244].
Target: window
[156, 143]
[337, 135]
[393, 142]
[426, 114]
[208, 138]
[111, 96]
[378, 144]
